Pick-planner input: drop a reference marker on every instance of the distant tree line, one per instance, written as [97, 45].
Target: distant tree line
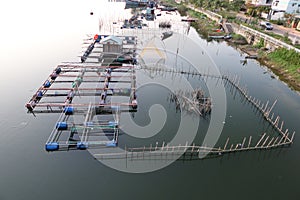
[219, 4]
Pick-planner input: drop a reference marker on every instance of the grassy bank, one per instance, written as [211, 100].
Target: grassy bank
[286, 64]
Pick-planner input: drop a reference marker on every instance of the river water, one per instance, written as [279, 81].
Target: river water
[36, 36]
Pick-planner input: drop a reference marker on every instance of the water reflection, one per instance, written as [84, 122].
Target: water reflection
[37, 35]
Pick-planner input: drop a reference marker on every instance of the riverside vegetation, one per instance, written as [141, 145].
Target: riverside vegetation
[283, 62]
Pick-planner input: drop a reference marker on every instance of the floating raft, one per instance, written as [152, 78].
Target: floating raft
[90, 92]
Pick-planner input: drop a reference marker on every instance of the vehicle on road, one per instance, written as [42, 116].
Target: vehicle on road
[266, 25]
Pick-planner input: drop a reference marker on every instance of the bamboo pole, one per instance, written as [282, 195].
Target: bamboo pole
[272, 116]
[269, 111]
[281, 125]
[292, 138]
[286, 137]
[265, 141]
[275, 141]
[266, 107]
[249, 141]
[243, 142]
[270, 142]
[226, 143]
[260, 140]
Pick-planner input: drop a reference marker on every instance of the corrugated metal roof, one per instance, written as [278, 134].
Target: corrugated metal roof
[117, 40]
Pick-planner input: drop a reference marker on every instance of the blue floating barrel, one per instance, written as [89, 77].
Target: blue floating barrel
[82, 145]
[89, 124]
[39, 95]
[52, 146]
[58, 70]
[47, 84]
[112, 123]
[62, 126]
[111, 143]
[69, 110]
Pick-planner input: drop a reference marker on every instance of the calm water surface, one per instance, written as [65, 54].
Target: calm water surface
[37, 35]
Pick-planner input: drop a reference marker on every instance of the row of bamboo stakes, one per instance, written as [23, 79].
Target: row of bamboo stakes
[146, 152]
[247, 143]
[265, 111]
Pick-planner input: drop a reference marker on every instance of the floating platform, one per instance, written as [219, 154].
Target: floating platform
[88, 95]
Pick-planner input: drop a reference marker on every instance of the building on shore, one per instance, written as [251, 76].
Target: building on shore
[260, 2]
[281, 7]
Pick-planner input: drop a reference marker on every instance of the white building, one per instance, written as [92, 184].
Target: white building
[261, 2]
[280, 7]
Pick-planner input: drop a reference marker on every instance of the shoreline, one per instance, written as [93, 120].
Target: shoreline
[278, 69]
[281, 72]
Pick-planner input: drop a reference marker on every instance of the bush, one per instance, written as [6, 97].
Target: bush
[260, 44]
[182, 10]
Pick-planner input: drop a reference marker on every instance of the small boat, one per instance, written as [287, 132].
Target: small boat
[189, 19]
[225, 37]
[216, 36]
[132, 2]
[166, 35]
[251, 57]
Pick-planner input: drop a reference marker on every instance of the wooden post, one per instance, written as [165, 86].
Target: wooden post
[286, 137]
[236, 146]
[243, 142]
[173, 150]
[125, 152]
[281, 139]
[262, 105]
[275, 141]
[193, 147]
[162, 147]
[272, 116]
[281, 125]
[266, 107]
[272, 107]
[260, 139]
[226, 143]
[249, 141]
[270, 142]
[265, 141]
[277, 123]
[292, 138]
[185, 146]
[286, 133]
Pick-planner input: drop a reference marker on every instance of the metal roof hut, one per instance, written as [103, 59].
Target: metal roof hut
[112, 44]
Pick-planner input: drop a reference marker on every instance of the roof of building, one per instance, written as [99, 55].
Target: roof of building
[115, 39]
